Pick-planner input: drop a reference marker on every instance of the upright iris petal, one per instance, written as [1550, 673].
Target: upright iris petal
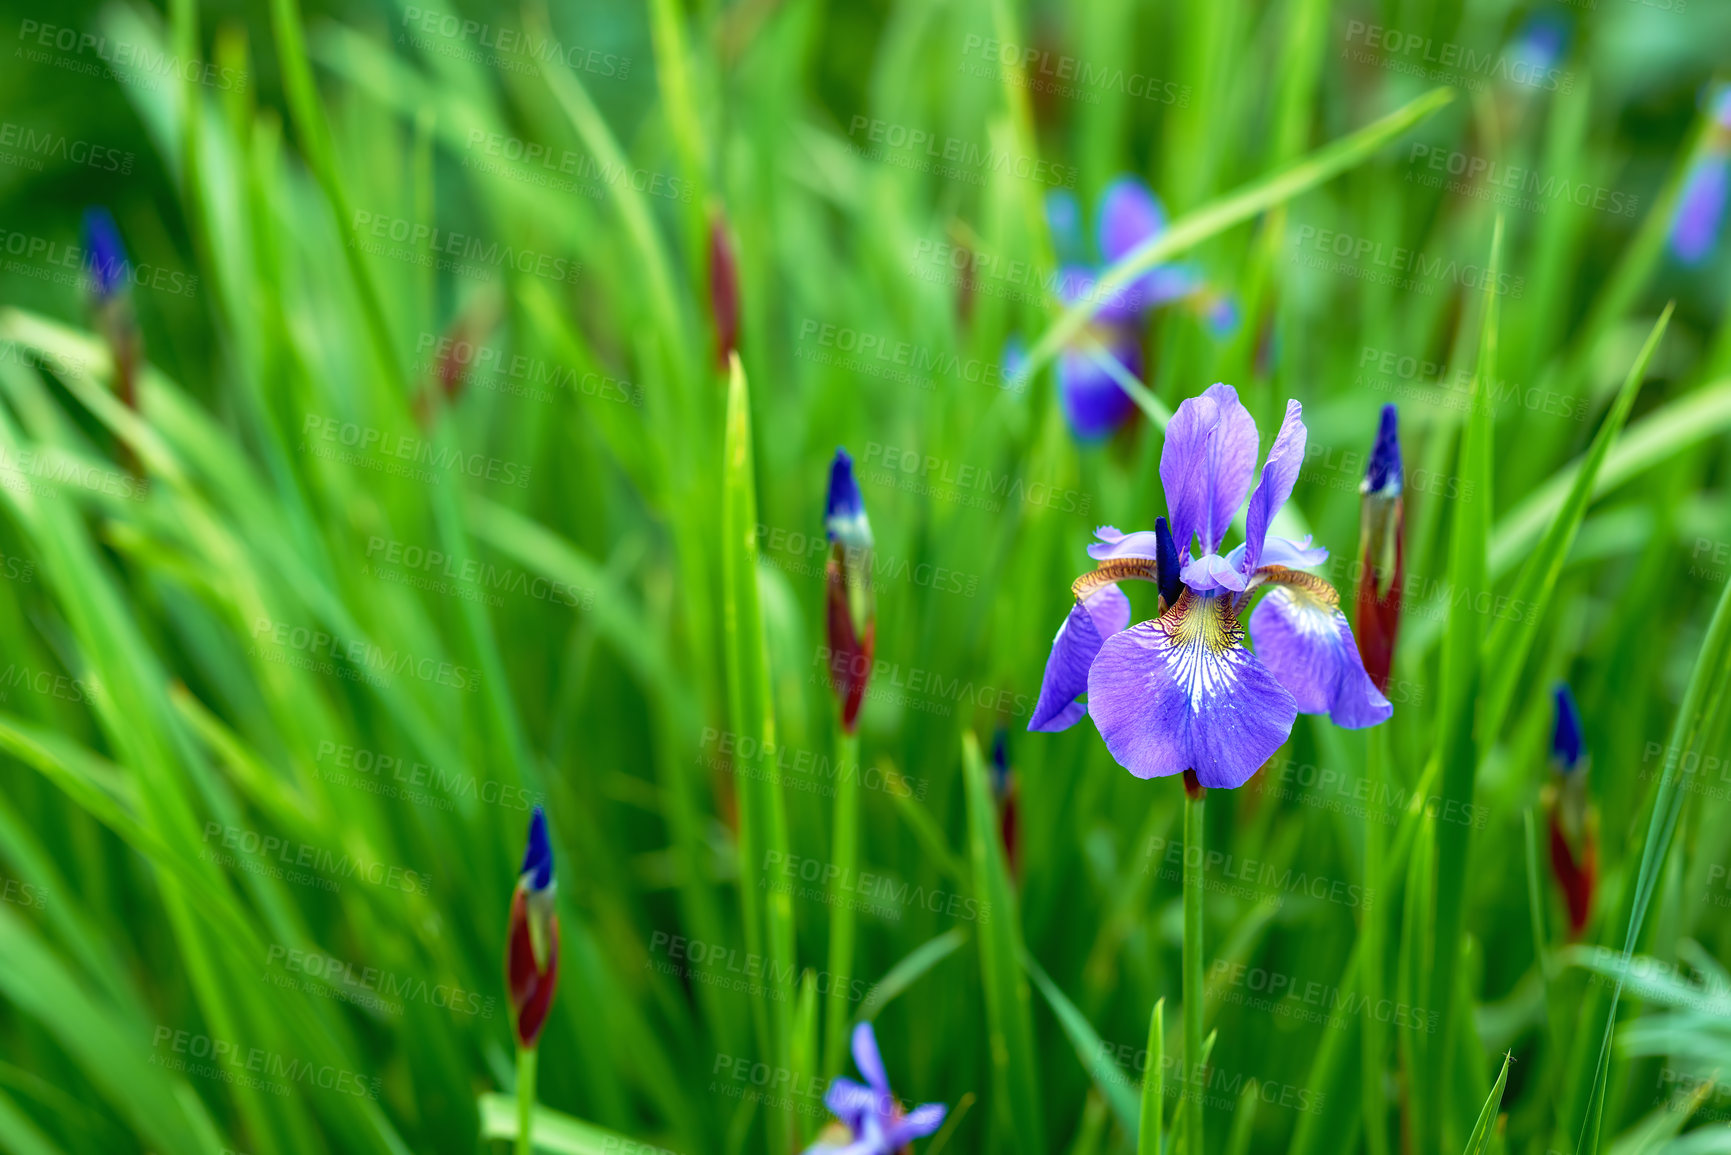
[108, 278]
[1181, 692]
[532, 948]
[1207, 465]
[850, 601]
[871, 1119]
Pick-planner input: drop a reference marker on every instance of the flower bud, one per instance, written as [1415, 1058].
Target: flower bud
[1381, 552]
[107, 282]
[1573, 822]
[851, 603]
[532, 944]
[723, 288]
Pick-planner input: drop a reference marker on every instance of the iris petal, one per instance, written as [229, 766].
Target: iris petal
[1279, 473]
[1304, 639]
[1207, 465]
[1181, 692]
[1700, 209]
[1091, 621]
[1094, 403]
[1130, 216]
[849, 1101]
[916, 1124]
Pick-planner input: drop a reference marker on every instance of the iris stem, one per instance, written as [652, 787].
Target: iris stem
[525, 1097]
[1195, 1078]
[841, 910]
[1370, 968]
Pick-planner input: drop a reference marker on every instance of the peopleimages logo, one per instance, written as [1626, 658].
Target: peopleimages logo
[237, 1064]
[952, 156]
[1411, 52]
[127, 62]
[34, 143]
[370, 444]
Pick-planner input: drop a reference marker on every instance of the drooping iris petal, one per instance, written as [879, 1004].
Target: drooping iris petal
[849, 1101]
[1207, 465]
[1701, 208]
[1091, 621]
[916, 1124]
[1181, 692]
[1130, 216]
[1094, 404]
[1279, 474]
[1303, 638]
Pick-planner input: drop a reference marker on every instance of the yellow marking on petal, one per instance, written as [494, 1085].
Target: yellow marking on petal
[1306, 587]
[1115, 569]
[1202, 635]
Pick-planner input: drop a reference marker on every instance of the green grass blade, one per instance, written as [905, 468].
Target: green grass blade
[762, 818]
[1107, 1075]
[1458, 750]
[1479, 1142]
[909, 971]
[1511, 638]
[1149, 1136]
[1015, 1064]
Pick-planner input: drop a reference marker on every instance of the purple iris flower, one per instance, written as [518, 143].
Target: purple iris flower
[1180, 691]
[1129, 216]
[872, 1121]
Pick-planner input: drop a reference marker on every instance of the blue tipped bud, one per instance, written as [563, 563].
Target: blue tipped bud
[104, 255]
[538, 854]
[1566, 742]
[1166, 559]
[844, 513]
[1384, 474]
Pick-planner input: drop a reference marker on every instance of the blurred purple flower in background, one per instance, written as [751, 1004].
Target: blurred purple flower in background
[1701, 205]
[1130, 215]
[871, 1118]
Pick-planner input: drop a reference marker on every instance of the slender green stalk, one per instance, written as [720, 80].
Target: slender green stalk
[841, 911]
[1195, 1078]
[525, 1097]
[1371, 938]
